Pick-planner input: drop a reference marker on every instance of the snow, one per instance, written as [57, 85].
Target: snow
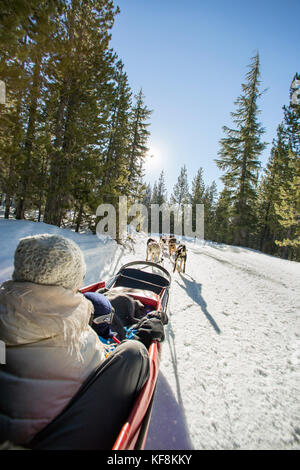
[229, 376]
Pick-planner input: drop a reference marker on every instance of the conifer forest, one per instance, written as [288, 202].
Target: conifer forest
[73, 134]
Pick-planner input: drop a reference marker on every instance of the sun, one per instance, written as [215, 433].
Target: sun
[153, 158]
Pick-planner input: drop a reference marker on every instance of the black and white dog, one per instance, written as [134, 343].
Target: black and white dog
[180, 258]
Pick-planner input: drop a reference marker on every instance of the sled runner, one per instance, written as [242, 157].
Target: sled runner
[138, 280]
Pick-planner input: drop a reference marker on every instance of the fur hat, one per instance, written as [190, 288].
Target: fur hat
[51, 260]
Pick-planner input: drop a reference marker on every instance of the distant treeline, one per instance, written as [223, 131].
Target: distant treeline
[73, 135]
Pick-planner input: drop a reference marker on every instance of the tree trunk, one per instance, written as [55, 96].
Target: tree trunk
[79, 218]
[27, 169]
[7, 206]
[10, 184]
[52, 208]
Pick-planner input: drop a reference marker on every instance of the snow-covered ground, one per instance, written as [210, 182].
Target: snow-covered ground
[230, 370]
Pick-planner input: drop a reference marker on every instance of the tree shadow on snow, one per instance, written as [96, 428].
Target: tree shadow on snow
[193, 289]
[168, 428]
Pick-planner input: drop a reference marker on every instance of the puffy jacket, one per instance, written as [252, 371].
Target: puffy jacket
[50, 351]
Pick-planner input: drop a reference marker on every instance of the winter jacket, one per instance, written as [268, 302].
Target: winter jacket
[50, 351]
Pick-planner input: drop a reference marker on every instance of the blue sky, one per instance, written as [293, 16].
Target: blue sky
[190, 58]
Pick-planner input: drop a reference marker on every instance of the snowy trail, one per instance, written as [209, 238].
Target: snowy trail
[229, 376]
[234, 327]
[230, 369]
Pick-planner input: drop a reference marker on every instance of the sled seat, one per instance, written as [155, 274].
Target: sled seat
[138, 279]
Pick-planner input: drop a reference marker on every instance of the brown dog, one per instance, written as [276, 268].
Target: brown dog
[172, 246]
[180, 259]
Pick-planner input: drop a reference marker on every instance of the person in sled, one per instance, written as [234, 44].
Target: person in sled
[57, 389]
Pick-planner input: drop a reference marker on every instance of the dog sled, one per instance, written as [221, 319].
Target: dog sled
[148, 283]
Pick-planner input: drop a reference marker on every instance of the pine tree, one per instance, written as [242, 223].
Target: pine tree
[97, 156]
[27, 170]
[276, 175]
[288, 209]
[11, 132]
[115, 171]
[292, 117]
[198, 188]
[288, 206]
[24, 27]
[278, 180]
[70, 137]
[147, 201]
[239, 155]
[147, 197]
[209, 201]
[159, 197]
[180, 196]
[154, 197]
[161, 189]
[18, 17]
[222, 218]
[77, 70]
[197, 194]
[180, 193]
[138, 149]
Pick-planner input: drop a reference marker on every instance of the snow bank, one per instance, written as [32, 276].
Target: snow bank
[99, 253]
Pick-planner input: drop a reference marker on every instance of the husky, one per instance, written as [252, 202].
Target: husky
[163, 242]
[180, 259]
[172, 245]
[153, 250]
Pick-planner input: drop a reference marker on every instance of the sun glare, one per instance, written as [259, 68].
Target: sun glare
[153, 159]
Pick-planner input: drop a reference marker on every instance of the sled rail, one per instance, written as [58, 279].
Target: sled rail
[93, 287]
[146, 264]
[134, 432]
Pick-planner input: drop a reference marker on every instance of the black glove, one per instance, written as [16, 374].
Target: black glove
[159, 314]
[103, 329]
[149, 329]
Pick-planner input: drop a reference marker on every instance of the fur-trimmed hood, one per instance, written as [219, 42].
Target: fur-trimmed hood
[32, 312]
[50, 351]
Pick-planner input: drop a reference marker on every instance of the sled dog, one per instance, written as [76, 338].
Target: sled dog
[172, 245]
[163, 243]
[180, 259]
[153, 250]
